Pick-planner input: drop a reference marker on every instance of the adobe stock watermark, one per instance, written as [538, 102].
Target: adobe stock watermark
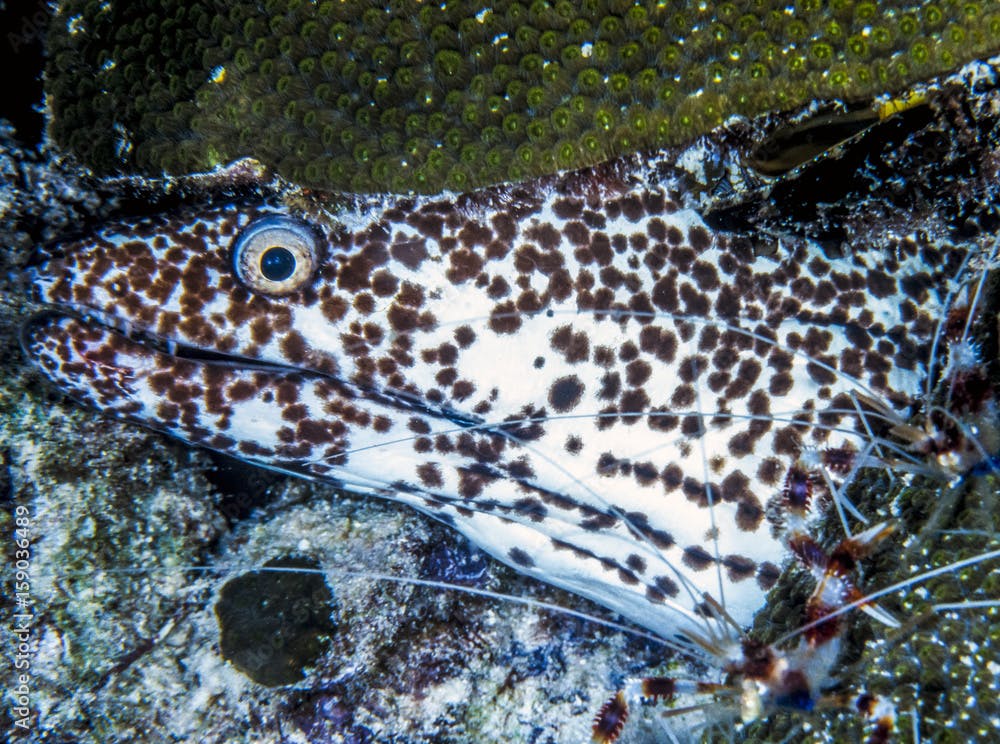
[31, 29]
[22, 621]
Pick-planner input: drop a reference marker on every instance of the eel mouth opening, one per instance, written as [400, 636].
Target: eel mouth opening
[35, 329]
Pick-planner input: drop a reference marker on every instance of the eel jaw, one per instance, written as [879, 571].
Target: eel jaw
[223, 405]
[141, 337]
[103, 361]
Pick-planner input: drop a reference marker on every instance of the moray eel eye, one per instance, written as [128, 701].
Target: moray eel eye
[277, 263]
[275, 255]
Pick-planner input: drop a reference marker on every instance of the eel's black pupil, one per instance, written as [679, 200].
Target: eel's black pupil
[277, 263]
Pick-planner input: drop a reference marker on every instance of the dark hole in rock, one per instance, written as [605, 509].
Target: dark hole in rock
[795, 145]
[240, 487]
[273, 624]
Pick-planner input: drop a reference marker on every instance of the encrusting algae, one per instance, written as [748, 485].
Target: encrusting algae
[411, 96]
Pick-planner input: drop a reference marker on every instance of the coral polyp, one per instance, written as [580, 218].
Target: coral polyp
[342, 95]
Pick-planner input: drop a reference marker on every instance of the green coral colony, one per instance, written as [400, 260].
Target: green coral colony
[407, 95]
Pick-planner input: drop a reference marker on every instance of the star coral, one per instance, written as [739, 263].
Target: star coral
[408, 96]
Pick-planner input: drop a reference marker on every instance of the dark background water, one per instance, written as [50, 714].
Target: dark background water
[22, 29]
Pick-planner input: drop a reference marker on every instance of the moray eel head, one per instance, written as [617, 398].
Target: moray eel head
[201, 325]
[232, 281]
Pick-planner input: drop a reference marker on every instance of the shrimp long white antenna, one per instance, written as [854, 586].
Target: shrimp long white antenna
[336, 572]
[969, 604]
[709, 491]
[907, 583]
[974, 300]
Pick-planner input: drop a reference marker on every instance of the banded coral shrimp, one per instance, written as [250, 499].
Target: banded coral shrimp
[932, 676]
[946, 650]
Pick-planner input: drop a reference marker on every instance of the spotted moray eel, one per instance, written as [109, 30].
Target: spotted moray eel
[576, 373]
